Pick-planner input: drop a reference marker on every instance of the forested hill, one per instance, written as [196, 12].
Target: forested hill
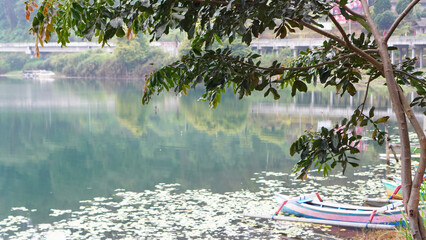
[13, 25]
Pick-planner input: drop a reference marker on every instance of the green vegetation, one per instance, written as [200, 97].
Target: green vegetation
[381, 6]
[383, 15]
[385, 19]
[131, 59]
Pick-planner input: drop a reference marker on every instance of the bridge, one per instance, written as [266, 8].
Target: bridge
[74, 47]
[403, 45]
[406, 46]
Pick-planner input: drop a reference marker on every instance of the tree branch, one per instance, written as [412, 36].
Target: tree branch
[353, 12]
[411, 76]
[350, 10]
[322, 32]
[369, 58]
[399, 19]
[365, 96]
[341, 30]
[297, 68]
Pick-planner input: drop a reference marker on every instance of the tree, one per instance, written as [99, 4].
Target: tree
[401, 5]
[383, 16]
[385, 19]
[339, 63]
[381, 6]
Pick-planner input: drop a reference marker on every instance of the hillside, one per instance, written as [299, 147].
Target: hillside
[13, 25]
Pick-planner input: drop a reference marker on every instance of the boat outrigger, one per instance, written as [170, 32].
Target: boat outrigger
[312, 209]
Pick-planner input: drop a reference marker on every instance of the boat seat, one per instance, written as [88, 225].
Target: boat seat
[304, 200]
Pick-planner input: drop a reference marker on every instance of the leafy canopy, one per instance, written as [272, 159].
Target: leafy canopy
[339, 62]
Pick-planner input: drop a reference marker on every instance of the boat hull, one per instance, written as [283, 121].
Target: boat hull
[390, 187]
[340, 212]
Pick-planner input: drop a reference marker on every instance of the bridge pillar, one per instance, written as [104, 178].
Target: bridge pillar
[393, 57]
[400, 55]
[268, 49]
[297, 49]
[28, 51]
[421, 56]
[403, 50]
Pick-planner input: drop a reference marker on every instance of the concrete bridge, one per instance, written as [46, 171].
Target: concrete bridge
[407, 46]
[74, 47]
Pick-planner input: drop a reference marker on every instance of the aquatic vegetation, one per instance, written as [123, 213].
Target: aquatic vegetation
[170, 212]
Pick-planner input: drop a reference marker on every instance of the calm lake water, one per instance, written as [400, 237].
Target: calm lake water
[83, 159]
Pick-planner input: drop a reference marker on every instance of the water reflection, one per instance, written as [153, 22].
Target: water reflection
[69, 141]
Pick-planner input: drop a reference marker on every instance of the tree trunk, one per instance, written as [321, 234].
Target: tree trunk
[410, 192]
[410, 189]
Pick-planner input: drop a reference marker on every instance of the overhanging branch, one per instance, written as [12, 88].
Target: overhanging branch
[350, 55]
[352, 12]
[322, 32]
[345, 42]
[341, 30]
[399, 19]
[411, 76]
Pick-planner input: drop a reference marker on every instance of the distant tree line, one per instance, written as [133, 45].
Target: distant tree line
[130, 59]
[385, 16]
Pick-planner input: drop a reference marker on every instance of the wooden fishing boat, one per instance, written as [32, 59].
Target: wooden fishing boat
[315, 208]
[391, 185]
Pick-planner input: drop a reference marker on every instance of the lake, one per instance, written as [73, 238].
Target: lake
[84, 159]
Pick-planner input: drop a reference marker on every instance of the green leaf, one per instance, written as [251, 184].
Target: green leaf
[301, 86]
[292, 148]
[160, 29]
[373, 136]
[267, 92]
[89, 33]
[353, 164]
[324, 74]
[275, 93]
[120, 32]
[371, 112]
[218, 39]
[351, 89]
[382, 119]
